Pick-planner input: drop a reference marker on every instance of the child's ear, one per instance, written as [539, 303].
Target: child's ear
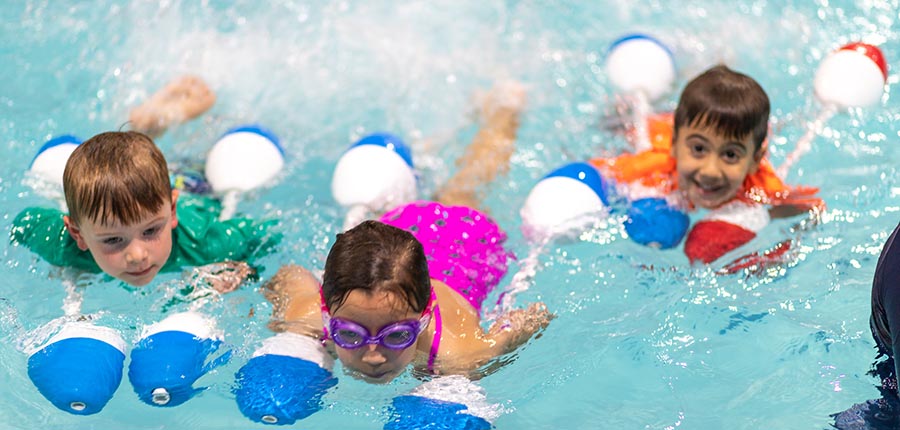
[75, 233]
[174, 213]
[757, 157]
[674, 140]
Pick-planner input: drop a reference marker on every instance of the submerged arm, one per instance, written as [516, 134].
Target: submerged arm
[787, 211]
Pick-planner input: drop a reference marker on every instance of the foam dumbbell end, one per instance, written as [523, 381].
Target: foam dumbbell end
[285, 380]
[652, 222]
[171, 355]
[80, 368]
[564, 201]
[243, 159]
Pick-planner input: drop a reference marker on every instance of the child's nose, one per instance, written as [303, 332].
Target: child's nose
[135, 254]
[710, 169]
[372, 357]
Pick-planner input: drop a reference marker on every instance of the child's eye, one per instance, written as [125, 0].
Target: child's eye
[731, 156]
[151, 231]
[112, 241]
[698, 149]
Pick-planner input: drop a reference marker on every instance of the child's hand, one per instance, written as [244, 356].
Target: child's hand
[223, 277]
[518, 325]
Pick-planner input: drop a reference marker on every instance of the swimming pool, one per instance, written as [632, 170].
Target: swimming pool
[662, 348]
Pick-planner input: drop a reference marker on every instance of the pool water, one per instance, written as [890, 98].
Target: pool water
[641, 340]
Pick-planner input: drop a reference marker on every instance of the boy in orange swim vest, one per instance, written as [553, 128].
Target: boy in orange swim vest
[712, 155]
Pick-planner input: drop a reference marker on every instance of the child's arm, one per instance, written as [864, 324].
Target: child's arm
[294, 294]
[200, 239]
[787, 211]
[43, 232]
[466, 352]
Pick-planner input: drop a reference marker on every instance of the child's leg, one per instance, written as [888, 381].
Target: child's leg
[182, 99]
[489, 153]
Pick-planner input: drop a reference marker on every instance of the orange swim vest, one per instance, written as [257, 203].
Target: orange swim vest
[655, 168]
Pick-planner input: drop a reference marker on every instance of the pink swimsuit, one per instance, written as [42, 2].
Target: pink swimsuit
[464, 249]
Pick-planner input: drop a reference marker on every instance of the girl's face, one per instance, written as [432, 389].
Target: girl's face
[712, 168]
[374, 362]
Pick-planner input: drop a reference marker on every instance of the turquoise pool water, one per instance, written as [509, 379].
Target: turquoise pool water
[631, 348]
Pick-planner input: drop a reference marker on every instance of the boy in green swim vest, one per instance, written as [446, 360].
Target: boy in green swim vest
[126, 220]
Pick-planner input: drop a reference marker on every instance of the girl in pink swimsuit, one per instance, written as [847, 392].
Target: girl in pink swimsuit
[463, 248]
[408, 289]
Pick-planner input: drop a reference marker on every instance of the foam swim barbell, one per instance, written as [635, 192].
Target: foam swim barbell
[48, 165]
[640, 64]
[50, 161]
[643, 69]
[853, 76]
[444, 402]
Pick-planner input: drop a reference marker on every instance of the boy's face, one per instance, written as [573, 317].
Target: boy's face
[132, 253]
[711, 168]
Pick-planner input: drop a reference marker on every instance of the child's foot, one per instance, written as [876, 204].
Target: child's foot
[505, 98]
[492, 147]
[180, 100]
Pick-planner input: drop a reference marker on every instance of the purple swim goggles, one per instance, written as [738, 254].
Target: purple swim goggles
[350, 335]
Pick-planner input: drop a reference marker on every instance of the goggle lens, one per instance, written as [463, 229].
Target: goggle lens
[399, 338]
[349, 335]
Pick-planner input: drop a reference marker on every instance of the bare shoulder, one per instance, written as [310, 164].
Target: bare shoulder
[294, 294]
[459, 327]
[292, 279]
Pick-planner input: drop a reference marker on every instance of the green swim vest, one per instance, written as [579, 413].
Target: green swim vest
[198, 239]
